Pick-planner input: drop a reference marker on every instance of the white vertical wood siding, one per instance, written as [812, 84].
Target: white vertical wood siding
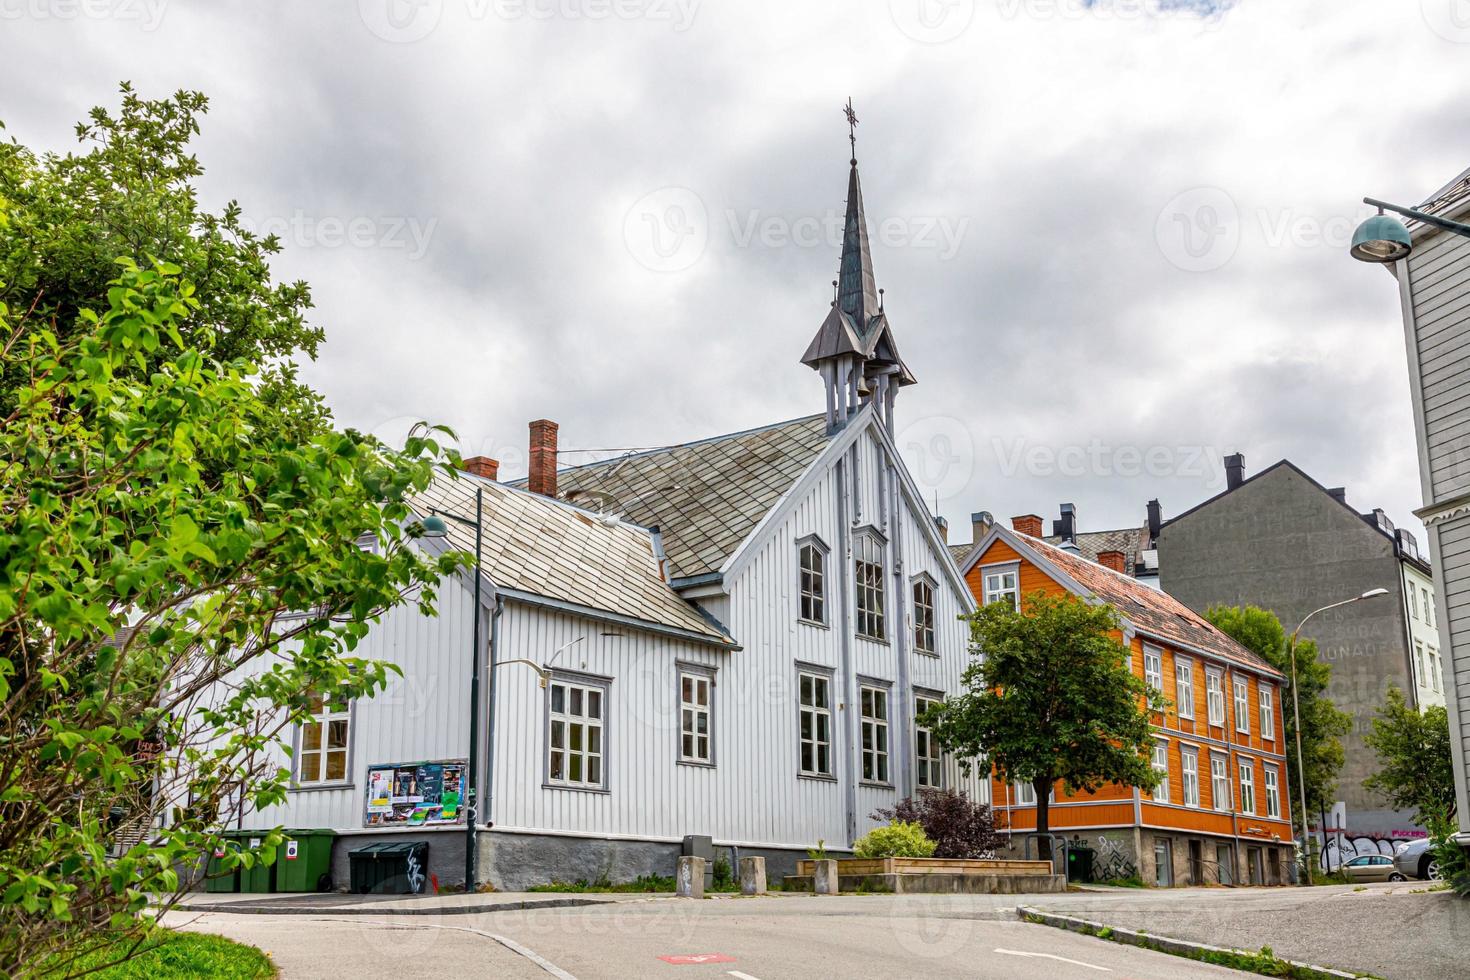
[1439, 272]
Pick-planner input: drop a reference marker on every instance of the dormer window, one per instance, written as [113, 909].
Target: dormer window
[868, 578]
[812, 581]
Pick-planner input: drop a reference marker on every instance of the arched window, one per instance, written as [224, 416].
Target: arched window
[812, 581]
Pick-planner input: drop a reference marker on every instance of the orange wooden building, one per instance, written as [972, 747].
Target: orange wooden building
[1221, 814]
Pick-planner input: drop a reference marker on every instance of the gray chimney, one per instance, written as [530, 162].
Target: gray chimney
[1155, 519]
[1234, 470]
[943, 526]
[980, 523]
[1066, 528]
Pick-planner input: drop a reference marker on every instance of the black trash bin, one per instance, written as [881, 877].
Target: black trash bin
[389, 869]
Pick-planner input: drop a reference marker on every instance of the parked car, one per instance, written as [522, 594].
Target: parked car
[1417, 861]
[1373, 867]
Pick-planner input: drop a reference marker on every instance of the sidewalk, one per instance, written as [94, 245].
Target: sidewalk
[339, 903]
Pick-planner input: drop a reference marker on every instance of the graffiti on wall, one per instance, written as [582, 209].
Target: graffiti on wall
[1113, 861]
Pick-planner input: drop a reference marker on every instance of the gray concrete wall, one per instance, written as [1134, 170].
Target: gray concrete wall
[446, 855]
[1284, 544]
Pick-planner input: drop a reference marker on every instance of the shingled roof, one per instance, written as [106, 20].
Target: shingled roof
[705, 497]
[546, 548]
[1128, 540]
[1150, 610]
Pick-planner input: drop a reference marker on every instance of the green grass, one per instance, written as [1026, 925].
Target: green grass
[643, 883]
[181, 955]
[1132, 881]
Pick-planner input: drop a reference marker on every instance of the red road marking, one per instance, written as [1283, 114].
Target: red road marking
[693, 959]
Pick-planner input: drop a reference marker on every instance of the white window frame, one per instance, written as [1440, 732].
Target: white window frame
[581, 719]
[1153, 667]
[1241, 688]
[1413, 601]
[817, 710]
[1161, 764]
[870, 585]
[811, 581]
[1001, 582]
[1184, 686]
[695, 682]
[1436, 669]
[324, 714]
[1215, 696]
[1189, 775]
[1025, 794]
[1247, 770]
[1428, 609]
[928, 756]
[1219, 776]
[925, 638]
[1266, 693]
[1270, 776]
[875, 714]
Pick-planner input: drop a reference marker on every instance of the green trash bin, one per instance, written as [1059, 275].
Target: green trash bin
[304, 861]
[260, 877]
[217, 879]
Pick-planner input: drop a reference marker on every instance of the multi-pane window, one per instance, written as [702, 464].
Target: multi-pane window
[1242, 705]
[1428, 609]
[1247, 788]
[813, 584]
[815, 723]
[1220, 782]
[1273, 792]
[1268, 713]
[1189, 769]
[1184, 687]
[1025, 794]
[1002, 586]
[923, 616]
[1161, 766]
[324, 742]
[874, 733]
[1423, 664]
[868, 577]
[927, 755]
[1436, 669]
[1413, 602]
[694, 717]
[1215, 696]
[575, 719]
[1153, 667]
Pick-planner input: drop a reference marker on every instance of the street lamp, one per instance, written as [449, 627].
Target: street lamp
[1296, 711]
[1382, 239]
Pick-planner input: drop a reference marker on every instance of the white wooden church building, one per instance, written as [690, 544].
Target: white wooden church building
[727, 638]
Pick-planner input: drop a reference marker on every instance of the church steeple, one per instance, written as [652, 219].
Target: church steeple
[854, 349]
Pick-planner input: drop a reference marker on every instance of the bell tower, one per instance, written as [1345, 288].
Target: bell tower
[853, 350]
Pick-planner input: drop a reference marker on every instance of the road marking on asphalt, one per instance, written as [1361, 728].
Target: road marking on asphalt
[694, 959]
[741, 976]
[529, 954]
[1053, 956]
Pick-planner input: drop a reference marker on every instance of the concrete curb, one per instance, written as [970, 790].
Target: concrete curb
[1166, 944]
[262, 908]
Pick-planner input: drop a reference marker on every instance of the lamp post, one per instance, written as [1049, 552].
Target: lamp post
[1382, 239]
[1296, 712]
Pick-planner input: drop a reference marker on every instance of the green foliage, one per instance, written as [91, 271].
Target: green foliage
[898, 839]
[959, 826]
[1416, 770]
[722, 877]
[1051, 696]
[1452, 860]
[643, 883]
[818, 853]
[160, 532]
[184, 956]
[1323, 726]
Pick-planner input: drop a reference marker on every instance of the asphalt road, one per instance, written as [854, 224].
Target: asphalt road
[748, 939]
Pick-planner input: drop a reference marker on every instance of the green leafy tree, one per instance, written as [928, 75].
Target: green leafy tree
[1051, 696]
[1323, 725]
[1416, 770]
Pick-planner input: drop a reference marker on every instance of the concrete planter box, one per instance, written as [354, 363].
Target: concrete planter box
[935, 876]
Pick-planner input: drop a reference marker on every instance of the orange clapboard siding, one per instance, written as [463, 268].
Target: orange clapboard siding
[1061, 817]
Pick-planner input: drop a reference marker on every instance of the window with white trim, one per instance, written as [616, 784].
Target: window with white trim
[575, 718]
[1413, 602]
[1025, 794]
[923, 615]
[1247, 787]
[1242, 705]
[812, 584]
[1189, 772]
[1184, 687]
[928, 757]
[1215, 696]
[815, 723]
[323, 753]
[868, 579]
[1268, 713]
[1153, 668]
[1161, 766]
[1220, 794]
[1436, 669]
[695, 731]
[1428, 609]
[1002, 585]
[874, 721]
[1273, 791]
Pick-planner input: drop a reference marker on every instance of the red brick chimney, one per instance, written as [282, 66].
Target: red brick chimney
[542, 477]
[1027, 524]
[1112, 559]
[483, 466]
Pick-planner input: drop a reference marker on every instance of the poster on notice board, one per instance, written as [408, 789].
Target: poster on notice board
[415, 794]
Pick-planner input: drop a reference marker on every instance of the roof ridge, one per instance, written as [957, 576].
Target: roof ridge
[644, 453]
[541, 498]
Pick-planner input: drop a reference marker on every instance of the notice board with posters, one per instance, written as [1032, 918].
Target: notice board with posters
[416, 794]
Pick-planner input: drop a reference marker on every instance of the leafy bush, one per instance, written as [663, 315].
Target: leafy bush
[958, 826]
[898, 839]
[722, 874]
[819, 853]
[1452, 859]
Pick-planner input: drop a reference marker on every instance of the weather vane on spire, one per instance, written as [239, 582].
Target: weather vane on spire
[852, 121]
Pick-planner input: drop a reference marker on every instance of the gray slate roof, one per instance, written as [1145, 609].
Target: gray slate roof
[1129, 540]
[547, 548]
[705, 497]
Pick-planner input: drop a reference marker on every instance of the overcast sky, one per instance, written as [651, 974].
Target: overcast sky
[1113, 235]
